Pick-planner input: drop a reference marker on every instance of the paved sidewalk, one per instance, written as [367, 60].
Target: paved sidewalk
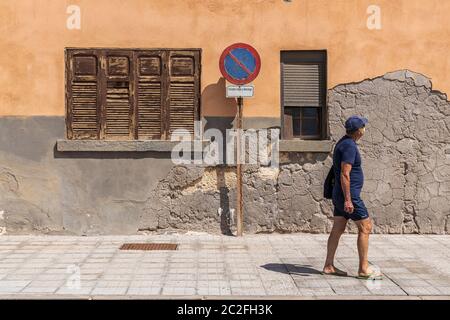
[209, 266]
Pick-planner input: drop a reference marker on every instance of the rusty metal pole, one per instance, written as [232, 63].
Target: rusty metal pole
[239, 211]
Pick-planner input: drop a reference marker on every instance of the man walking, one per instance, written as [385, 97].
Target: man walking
[349, 179]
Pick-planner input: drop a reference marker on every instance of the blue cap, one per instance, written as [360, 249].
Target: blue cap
[353, 123]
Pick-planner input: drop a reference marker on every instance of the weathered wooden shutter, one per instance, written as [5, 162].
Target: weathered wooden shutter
[302, 84]
[82, 94]
[117, 88]
[119, 94]
[183, 90]
[150, 88]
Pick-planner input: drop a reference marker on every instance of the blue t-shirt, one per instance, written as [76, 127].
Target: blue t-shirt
[346, 150]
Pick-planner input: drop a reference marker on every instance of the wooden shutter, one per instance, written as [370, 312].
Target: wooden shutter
[302, 84]
[183, 90]
[120, 94]
[82, 94]
[150, 88]
[117, 88]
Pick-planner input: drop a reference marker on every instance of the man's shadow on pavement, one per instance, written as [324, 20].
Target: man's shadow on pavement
[301, 270]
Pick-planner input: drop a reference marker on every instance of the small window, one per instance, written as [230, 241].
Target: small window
[303, 92]
[127, 94]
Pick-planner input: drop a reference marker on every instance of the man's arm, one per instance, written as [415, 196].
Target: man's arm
[345, 183]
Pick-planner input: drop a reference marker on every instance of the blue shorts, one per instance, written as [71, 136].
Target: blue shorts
[359, 211]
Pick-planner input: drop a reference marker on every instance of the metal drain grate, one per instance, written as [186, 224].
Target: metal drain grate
[149, 246]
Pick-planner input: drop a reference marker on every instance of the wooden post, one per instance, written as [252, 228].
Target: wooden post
[239, 213]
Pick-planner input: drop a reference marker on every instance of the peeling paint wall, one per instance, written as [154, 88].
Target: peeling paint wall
[405, 154]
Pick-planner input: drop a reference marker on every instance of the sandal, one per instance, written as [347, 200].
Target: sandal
[372, 275]
[336, 272]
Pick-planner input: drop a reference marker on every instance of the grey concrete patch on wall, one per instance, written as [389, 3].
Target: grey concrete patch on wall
[405, 160]
[405, 154]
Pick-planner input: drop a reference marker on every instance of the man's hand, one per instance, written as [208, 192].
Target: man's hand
[348, 207]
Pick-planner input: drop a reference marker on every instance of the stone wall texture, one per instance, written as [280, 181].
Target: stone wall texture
[405, 158]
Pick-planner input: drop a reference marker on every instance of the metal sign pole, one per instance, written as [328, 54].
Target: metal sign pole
[239, 211]
[234, 60]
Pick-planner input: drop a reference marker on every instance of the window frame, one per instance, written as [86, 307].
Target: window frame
[316, 56]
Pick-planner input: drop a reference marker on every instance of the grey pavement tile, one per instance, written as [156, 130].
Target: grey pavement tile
[344, 281]
[116, 277]
[14, 283]
[74, 291]
[46, 283]
[97, 271]
[179, 284]
[212, 283]
[351, 290]
[208, 277]
[30, 271]
[181, 276]
[395, 269]
[96, 261]
[429, 276]
[39, 290]
[119, 271]
[109, 290]
[247, 291]
[95, 266]
[402, 276]
[146, 283]
[208, 291]
[178, 291]
[10, 265]
[141, 271]
[179, 270]
[245, 283]
[443, 290]
[13, 276]
[10, 290]
[385, 290]
[412, 283]
[152, 265]
[61, 271]
[316, 291]
[112, 283]
[148, 276]
[421, 290]
[244, 276]
[313, 283]
[57, 276]
[144, 291]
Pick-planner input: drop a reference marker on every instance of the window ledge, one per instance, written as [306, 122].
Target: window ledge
[295, 145]
[118, 145]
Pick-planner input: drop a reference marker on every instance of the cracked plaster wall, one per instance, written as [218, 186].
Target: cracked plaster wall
[405, 154]
[406, 162]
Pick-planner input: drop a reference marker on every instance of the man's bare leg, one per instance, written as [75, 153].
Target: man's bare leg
[364, 229]
[338, 229]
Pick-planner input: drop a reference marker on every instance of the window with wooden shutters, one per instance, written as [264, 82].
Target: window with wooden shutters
[126, 94]
[303, 92]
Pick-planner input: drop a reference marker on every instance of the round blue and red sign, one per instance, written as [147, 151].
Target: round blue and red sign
[240, 63]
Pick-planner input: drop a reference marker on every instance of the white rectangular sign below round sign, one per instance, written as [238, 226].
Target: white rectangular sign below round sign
[240, 91]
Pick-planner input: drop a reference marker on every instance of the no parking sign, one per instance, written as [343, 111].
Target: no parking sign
[240, 64]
